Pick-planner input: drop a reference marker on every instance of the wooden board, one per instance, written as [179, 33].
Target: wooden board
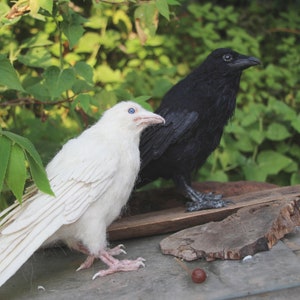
[250, 230]
[175, 218]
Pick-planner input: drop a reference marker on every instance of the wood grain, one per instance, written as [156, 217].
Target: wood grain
[250, 230]
[175, 218]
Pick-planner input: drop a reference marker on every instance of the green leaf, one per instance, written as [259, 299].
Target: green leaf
[84, 101]
[277, 132]
[272, 162]
[106, 99]
[57, 81]
[39, 91]
[146, 20]
[16, 171]
[254, 172]
[25, 144]
[65, 80]
[294, 150]
[88, 42]
[51, 76]
[229, 158]
[257, 136]
[160, 87]
[72, 27]
[173, 2]
[38, 40]
[84, 70]
[282, 109]
[8, 75]
[295, 178]
[46, 5]
[244, 143]
[296, 123]
[105, 74]
[81, 86]
[292, 167]
[248, 119]
[5, 149]
[34, 7]
[39, 175]
[163, 8]
[37, 170]
[142, 101]
[142, 98]
[219, 175]
[36, 57]
[122, 16]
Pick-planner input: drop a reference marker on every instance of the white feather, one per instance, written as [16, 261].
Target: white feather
[92, 177]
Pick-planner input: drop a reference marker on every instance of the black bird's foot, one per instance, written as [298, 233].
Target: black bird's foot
[202, 201]
[199, 201]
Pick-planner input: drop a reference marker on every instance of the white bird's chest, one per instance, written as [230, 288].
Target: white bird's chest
[123, 184]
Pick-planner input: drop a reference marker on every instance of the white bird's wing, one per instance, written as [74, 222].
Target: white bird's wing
[78, 177]
[88, 179]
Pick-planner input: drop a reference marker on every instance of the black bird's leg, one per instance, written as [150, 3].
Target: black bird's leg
[199, 201]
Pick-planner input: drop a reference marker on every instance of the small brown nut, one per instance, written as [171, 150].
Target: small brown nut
[198, 275]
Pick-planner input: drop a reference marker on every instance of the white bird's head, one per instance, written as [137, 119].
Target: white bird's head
[130, 115]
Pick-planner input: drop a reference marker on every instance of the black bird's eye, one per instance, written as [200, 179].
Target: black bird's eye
[131, 110]
[227, 57]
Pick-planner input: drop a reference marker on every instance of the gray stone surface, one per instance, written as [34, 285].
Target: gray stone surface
[50, 274]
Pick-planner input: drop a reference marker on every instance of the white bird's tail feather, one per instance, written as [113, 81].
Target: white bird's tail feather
[21, 238]
[9, 214]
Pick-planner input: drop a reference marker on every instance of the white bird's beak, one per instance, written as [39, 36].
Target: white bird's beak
[145, 119]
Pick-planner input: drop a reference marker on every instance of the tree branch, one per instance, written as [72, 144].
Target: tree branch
[288, 30]
[21, 101]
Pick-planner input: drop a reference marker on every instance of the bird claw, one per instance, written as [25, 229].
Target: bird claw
[206, 201]
[117, 250]
[87, 263]
[121, 266]
[142, 260]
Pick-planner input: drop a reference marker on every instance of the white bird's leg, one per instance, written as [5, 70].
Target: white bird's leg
[78, 246]
[89, 260]
[116, 265]
[87, 263]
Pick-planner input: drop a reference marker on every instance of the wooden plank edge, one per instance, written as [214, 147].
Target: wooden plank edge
[174, 219]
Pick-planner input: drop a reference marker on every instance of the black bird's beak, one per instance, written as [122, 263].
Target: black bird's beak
[244, 62]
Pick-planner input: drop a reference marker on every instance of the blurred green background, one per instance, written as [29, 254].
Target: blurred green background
[62, 63]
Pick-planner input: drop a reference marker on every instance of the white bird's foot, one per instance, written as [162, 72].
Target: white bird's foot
[117, 250]
[116, 265]
[90, 259]
[87, 263]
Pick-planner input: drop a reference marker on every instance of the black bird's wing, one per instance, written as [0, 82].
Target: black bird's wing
[156, 139]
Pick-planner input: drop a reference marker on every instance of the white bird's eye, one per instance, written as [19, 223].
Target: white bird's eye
[227, 57]
[131, 110]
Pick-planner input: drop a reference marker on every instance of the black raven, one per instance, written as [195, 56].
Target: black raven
[196, 110]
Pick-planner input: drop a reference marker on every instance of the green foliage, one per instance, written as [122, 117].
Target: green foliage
[57, 76]
[15, 150]
[8, 75]
[62, 63]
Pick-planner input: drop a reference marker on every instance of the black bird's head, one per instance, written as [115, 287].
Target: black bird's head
[227, 59]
